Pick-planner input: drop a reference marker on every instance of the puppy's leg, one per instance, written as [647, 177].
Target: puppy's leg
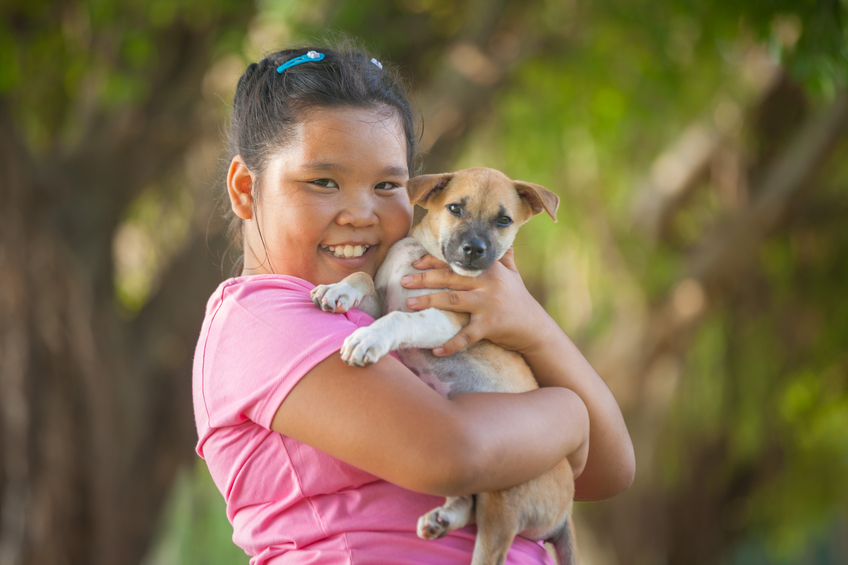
[564, 544]
[342, 296]
[426, 329]
[457, 512]
[497, 525]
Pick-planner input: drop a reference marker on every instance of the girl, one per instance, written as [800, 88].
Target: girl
[320, 462]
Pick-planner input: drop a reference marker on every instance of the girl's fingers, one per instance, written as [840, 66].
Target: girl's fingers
[438, 278]
[497, 301]
[429, 262]
[508, 259]
[448, 300]
[469, 335]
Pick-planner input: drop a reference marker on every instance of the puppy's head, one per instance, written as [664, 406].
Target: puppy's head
[474, 214]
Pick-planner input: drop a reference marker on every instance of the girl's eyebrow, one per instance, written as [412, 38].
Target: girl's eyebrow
[395, 171]
[323, 166]
[391, 170]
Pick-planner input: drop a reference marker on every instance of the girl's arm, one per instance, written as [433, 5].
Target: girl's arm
[386, 421]
[504, 312]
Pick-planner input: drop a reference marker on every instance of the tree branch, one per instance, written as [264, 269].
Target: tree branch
[727, 249]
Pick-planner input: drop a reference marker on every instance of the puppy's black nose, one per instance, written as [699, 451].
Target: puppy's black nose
[473, 249]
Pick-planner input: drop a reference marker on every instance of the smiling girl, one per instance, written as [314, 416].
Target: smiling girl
[320, 462]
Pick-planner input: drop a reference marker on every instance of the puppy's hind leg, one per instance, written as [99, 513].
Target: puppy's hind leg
[497, 525]
[564, 544]
[455, 513]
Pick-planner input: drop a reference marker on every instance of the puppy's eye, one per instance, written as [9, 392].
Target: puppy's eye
[455, 209]
[504, 221]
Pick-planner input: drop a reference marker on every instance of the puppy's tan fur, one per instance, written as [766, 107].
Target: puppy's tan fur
[464, 226]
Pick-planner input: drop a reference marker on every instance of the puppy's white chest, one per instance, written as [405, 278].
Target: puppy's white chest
[398, 263]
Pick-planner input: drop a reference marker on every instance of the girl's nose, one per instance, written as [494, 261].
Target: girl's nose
[357, 212]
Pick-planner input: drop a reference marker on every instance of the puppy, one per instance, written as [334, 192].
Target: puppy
[472, 218]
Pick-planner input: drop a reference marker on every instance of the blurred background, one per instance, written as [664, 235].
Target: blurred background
[700, 260]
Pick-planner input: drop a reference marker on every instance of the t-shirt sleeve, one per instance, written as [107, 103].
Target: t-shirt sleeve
[262, 340]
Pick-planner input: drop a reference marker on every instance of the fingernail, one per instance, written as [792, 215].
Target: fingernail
[438, 351]
[406, 280]
[412, 302]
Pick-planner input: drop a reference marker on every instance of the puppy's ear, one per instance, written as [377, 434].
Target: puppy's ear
[538, 197]
[422, 187]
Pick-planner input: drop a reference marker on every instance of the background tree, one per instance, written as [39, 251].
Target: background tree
[98, 112]
[700, 153]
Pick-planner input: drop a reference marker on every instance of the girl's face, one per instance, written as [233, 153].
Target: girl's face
[332, 202]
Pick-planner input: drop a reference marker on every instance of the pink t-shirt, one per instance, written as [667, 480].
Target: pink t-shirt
[288, 502]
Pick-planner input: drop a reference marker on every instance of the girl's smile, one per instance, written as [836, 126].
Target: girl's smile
[330, 203]
[347, 250]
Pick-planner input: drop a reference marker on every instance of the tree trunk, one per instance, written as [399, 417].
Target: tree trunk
[95, 413]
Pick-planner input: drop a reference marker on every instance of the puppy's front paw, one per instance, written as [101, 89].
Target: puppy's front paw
[338, 297]
[434, 524]
[364, 347]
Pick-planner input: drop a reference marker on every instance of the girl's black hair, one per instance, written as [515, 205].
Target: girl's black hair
[269, 105]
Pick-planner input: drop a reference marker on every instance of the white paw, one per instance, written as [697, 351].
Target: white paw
[338, 297]
[364, 347]
[434, 524]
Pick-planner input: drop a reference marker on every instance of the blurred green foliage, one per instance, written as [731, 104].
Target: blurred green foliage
[58, 60]
[195, 528]
[155, 226]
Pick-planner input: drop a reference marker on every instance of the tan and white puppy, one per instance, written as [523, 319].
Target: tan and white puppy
[472, 218]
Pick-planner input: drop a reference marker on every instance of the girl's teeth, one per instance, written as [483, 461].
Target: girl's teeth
[347, 251]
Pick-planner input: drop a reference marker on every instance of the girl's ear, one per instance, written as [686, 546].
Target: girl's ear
[422, 187]
[240, 188]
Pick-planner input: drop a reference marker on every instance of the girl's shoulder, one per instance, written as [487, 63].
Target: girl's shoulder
[273, 304]
[250, 289]
[262, 295]
[260, 336]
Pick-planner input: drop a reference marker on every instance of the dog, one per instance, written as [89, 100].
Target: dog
[472, 218]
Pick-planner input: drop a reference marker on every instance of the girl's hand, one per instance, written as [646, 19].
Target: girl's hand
[504, 312]
[501, 308]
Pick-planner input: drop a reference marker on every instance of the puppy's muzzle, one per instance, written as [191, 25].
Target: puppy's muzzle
[470, 251]
[474, 250]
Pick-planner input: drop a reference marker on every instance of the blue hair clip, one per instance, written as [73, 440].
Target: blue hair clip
[310, 56]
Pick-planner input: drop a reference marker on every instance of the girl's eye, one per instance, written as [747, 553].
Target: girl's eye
[326, 183]
[455, 209]
[386, 186]
[504, 221]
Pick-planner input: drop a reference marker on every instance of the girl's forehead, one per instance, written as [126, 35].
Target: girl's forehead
[352, 122]
[349, 134]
